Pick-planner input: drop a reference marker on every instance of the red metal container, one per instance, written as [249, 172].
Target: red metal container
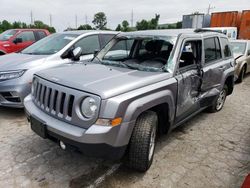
[244, 29]
[225, 19]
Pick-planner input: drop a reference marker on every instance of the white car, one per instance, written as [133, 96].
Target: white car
[17, 69]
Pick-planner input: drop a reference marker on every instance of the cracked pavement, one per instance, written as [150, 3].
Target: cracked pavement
[210, 150]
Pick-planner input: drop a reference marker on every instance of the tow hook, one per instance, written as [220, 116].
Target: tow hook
[62, 145]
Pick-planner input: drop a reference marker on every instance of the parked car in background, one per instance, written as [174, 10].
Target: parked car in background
[241, 50]
[14, 40]
[17, 69]
[230, 32]
[140, 84]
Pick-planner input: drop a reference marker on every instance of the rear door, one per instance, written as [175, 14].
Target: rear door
[217, 59]
[39, 35]
[213, 64]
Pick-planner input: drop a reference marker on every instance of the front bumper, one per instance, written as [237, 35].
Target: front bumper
[12, 95]
[99, 141]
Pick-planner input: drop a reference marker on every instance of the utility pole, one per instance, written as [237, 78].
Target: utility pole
[209, 8]
[76, 21]
[132, 18]
[86, 19]
[50, 20]
[31, 17]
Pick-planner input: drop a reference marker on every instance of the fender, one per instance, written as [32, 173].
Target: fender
[136, 107]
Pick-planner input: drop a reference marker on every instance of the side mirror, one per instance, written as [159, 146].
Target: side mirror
[76, 54]
[17, 40]
[248, 52]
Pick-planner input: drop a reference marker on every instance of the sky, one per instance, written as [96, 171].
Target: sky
[63, 12]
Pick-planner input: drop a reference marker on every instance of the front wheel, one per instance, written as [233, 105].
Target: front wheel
[142, 143]
[220, 101]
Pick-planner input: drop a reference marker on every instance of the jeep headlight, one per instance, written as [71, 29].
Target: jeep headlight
[89, 107]
[11, 75]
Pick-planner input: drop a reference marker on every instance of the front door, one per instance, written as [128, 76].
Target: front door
[189, 79]
[27, 38]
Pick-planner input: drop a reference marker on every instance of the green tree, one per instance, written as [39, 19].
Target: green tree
[40, 25]
[153, 23]
[6, 25]
[16, 25]
[179, 25]
[125, 25]
[100, 20]
[142, 25]
[119, 27]
[85, 27]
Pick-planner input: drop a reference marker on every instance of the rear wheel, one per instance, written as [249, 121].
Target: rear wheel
[220, 101]
[142, 143]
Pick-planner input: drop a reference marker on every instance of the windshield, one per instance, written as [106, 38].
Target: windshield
[7, 35]
[147, 53]
[239, 47]
[50, 45]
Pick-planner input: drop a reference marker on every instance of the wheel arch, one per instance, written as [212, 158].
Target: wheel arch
[2, 52]
[229, 82]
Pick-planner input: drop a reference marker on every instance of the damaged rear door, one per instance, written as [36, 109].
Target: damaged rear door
[213, 69]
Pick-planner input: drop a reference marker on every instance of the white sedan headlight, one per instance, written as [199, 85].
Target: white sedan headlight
[11, 75]
[89, 107]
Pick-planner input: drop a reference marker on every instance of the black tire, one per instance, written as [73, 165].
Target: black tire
[141, 152]
[242, 74]
[216, 107]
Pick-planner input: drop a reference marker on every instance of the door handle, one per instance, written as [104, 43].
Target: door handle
[222, 68]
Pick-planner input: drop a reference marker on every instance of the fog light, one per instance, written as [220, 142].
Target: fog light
[62, 145]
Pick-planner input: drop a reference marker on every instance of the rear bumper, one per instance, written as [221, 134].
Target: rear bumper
[13, 95]
[98, 141]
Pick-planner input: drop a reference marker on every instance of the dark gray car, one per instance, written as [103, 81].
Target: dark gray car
[140, 85]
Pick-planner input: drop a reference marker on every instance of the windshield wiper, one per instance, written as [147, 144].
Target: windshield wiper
[127, 65]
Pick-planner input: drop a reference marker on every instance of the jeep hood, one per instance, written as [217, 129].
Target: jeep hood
[105, 81]
[18, 61]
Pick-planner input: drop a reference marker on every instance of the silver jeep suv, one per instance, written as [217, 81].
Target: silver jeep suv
[140, 85]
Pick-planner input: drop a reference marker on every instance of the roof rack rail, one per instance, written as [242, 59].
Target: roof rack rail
[206, 30]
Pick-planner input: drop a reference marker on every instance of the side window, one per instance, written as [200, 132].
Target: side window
[212, 49]
[88, 44]
[26, 36]
[41, 34]
[225, 47]
[105, 39]
[191, 53]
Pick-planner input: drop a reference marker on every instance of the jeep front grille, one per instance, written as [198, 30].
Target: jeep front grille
[61, 102]
[54, 101]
